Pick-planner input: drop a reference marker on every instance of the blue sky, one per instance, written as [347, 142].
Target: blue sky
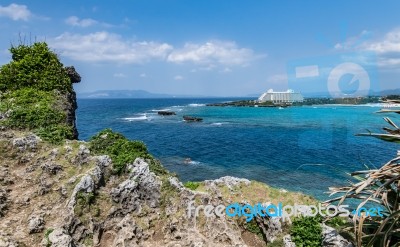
[220, 48]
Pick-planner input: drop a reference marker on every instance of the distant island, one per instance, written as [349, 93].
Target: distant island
[134, 94]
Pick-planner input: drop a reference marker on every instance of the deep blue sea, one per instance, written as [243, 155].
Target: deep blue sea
[305, 149]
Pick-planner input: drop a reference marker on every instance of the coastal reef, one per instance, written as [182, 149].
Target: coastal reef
[110, 191]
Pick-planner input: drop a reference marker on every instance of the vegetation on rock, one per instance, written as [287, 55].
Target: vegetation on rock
[307, 231]
[122, 151]
[33, 89]
[191, 185]
[34, 66]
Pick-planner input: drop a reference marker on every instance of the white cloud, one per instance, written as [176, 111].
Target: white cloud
[108, 47]
[213, 52]
[387, 48]
[119, 75]
[16, 12]
[75, 21]
[143, 75]
[178, 77]
[389, 44]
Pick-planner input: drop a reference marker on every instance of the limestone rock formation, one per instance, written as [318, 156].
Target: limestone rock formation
[332, 238]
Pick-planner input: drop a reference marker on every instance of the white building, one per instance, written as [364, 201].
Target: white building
[281, 97]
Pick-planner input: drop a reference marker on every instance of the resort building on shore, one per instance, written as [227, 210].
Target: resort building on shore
[287, 97]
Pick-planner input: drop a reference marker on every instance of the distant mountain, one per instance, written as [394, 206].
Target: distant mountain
[142, 94]
[390, 92]
[139, 94]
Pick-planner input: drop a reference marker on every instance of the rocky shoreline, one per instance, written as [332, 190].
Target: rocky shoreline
[46, 193]
[57, 191]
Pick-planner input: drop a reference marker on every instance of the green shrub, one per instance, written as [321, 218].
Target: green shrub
[56, 134]
[191, 185]
[83, 202]
[34, 66]
[85, 199]
[122, 151]
[307, 231]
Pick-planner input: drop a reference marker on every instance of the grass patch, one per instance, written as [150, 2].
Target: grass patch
[192, 185]
[168, 192]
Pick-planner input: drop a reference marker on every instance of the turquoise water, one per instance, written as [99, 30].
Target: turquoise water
[306, 149]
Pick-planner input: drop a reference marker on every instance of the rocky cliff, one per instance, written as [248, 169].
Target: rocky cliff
[60, 192]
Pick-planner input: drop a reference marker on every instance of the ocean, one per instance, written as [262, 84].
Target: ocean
[306, 149]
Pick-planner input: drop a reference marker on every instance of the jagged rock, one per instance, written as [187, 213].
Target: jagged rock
[63, 191]
[332, 238]
[68, 148]
[5, 177]
[174, 181]
[103, 161]
[60, 238]
[143, 186]
[229, 181]
[36, 223]
[86, 185]
[73, 75]
[70, 108]
[129, 233]
[44, 186]
[102, 164]
[271, 227]
[76, 229]
[51, 168]
[54, 152]
[3, 201]
[83, 155]
[5, 241]
[28, 142]
[287, 241]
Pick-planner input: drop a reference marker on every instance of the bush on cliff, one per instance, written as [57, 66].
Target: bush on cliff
[122, 151]
[31, 92]
[34, 66]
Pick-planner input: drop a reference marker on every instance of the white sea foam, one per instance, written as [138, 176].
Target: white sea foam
[217, 124]
[138, 118]
[196, 105]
